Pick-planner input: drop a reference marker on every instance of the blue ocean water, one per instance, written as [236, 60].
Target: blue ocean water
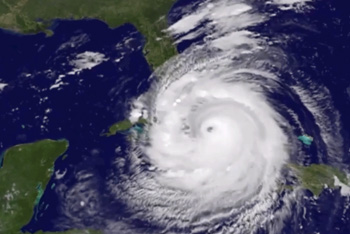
[93, 99]
[78, 112]
[319, 41]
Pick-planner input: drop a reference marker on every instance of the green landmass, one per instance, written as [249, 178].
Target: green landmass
[316, 176]
[149, 17]
[118, 127]
[24, 175]
[124, 125]
[72, 232]
[307, 140]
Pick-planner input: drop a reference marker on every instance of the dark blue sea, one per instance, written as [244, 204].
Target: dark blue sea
[80, 111]
[89, 101]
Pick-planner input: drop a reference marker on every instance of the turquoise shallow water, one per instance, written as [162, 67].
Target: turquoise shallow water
[86, 103]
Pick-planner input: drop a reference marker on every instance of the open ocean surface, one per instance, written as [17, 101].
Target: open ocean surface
[83, 103]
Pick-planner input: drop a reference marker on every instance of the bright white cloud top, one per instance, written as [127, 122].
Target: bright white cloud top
[215, 144]
[2, 86]
[211, 128]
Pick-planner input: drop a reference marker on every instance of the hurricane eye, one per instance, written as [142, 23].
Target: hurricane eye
[210, 129]
[222, 118]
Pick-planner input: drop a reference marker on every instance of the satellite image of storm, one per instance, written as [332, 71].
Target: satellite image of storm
[174, 117]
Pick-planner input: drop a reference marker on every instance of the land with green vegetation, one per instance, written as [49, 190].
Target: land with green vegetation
[316, 176]
[72, 232]
[122, 126]
[149, 17]
[25, 172]
[27, 168]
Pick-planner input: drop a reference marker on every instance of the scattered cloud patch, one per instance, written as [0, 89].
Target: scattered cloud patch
[2, 86]
[87, 60]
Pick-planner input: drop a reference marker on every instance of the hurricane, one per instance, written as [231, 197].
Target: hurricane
[221, 126]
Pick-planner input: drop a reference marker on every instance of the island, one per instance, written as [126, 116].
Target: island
[148, 16]
[318, 176]
[306, 139]
[313, 178]
[26, 169]
[24, 174]
[125, 125]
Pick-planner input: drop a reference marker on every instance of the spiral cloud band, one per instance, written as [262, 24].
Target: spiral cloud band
[215, 142]
[211, 126]
[212, 130]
